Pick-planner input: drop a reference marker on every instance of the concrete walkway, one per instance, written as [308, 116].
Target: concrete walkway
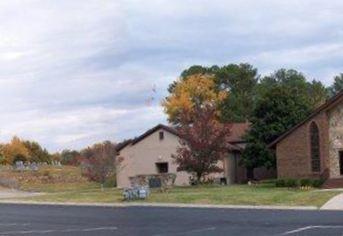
[335, 203]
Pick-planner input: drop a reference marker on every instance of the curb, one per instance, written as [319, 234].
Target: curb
[167, 205]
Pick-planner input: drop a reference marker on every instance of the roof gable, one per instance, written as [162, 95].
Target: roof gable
[332, 102]
[238, 130]
[146, 134]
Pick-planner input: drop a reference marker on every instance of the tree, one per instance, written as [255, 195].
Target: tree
[337, 85]
[202, 143]
[70, 157]
[15, 151]
[36, 152]
[99, 161]
[285, 98]
[239, 80]
[189, 93]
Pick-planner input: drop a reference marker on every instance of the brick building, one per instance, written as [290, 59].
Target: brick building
[314, 147]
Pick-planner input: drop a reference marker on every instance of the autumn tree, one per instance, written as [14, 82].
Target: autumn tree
[14, 151]
[99, 162]
[202, 143]
[36, 152]
[189, 93]
[70, 157]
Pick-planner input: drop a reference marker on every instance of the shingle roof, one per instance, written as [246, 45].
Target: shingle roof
[238, 130]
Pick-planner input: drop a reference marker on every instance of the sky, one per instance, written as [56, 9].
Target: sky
[73, 73]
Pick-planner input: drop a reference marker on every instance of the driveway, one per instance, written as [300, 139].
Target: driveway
[158, 221]
[335, 203]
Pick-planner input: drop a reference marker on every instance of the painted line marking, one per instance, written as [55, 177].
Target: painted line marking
[58, 231]
[312, 227]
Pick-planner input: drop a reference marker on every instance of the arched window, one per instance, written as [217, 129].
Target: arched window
[315, 147]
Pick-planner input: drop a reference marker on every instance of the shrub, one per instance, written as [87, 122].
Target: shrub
[291, 183]
[306, 183]
[280, 183]
[110, 182]
[317, 183]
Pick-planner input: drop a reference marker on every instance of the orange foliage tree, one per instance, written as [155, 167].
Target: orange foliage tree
[189, 93]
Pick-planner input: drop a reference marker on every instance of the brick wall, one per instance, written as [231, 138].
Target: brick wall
[293, 152]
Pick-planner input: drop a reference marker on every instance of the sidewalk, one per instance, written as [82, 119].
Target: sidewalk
[174, 205]
[335, 203]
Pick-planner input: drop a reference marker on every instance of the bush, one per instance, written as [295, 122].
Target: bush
[317, 183]
[306, 183]
[291, 183]
[280, 183]
[110, 182]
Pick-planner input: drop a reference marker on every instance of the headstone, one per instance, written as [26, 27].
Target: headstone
[34, 166]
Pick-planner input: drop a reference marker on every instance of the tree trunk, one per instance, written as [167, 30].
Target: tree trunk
[199, 178]
[250, 173]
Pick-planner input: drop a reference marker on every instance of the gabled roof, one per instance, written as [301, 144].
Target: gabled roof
[152, 130]
[123, 144]
[238, 130]
[145, 134]
[326, 106]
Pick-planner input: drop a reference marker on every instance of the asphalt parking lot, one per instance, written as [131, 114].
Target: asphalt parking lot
[76, 220]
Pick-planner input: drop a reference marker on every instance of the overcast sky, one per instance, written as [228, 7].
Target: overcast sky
[76, 72]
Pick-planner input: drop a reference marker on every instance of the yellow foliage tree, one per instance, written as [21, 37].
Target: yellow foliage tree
[15, 151]
[190, 92]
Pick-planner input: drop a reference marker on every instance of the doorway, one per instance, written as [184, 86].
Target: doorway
[341, 162]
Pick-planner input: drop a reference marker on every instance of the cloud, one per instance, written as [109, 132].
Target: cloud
[77, 72]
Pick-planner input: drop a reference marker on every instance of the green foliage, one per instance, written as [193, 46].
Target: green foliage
[239, 80]
[284, 99]
[70, 157]
[317, 183]
[337, 85]
[280, 183]
[37, 153]
[110, 182]
[293, 183]
[305, 182]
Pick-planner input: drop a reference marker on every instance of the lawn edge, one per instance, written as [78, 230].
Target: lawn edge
[171, 205]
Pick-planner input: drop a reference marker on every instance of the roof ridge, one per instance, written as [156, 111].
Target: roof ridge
[329, 102]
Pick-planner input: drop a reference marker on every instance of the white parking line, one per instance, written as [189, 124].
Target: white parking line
[312, 227]
[58, 231]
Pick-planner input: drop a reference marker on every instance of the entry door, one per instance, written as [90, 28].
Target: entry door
[341, 162]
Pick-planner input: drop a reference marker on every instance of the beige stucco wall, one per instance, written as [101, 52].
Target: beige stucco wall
[141, 158]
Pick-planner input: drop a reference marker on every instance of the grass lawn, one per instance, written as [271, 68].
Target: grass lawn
[66, 185]
[235, 195]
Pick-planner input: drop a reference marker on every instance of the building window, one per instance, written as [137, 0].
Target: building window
[162, 167]
[315, 147]
[161, 135]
